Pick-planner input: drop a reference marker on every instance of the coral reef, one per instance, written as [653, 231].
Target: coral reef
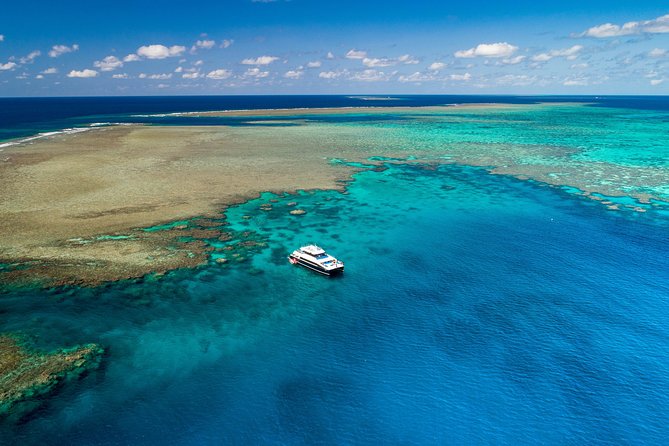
[26, 374]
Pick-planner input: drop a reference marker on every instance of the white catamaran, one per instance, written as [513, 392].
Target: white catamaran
[316, 259]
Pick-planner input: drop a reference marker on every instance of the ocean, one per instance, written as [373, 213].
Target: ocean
[476, 307]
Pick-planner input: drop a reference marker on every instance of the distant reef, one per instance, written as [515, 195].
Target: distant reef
[26, 375]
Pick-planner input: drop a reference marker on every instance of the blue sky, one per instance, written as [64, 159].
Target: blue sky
[344, 47]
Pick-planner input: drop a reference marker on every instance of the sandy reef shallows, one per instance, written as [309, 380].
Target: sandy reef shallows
[61, 197]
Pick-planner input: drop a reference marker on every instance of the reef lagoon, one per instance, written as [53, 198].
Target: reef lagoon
[506, 283]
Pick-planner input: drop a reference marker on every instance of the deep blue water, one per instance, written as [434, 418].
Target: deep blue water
[475, 309]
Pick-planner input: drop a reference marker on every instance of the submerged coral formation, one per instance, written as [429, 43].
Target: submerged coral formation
[26, 374]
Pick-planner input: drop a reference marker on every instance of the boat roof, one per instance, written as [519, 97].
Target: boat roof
[313, 250]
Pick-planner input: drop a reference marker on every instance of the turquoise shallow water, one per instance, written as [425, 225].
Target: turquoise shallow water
[474, 308]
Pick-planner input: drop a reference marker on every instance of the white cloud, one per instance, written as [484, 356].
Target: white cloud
[83, 73]
[7, 66]
[51, 70]
[160, 51]
[513, 60]
[407, 59]
[58, 50]
[331, 74]
[256, 72]
[131, 58]
[388, 62]
[460, 77]
[198, 63]
[39, 76]
[193, 75]
[355, 54]
[30, 57]
[579, 66]
[655, 82]
[418, 77]
[2, 38]
[219, 74]
[516, 80]
[227, 43]
[262, 60]
[330, 56]
[161, 77]
[371, 76]
[109, 63]
[578, 82]
[568, 53]
[436, 66]
[205, 44]
[314, 64]
[657, 52]
[655, 26]
[120, 76]
[499, 49]
[376, 63]
[293, 74]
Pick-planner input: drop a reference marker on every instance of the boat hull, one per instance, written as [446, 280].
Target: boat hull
[331, 272]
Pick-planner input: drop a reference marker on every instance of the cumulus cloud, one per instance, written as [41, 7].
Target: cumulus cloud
[193, 75]
[331, 74]
[83, 73]
[657, 52]
[388, 62]
[355, 54]
[30, 57]
[219, 74]
[375, 63]
[226, 43]
[59, 50]
[39, 76]
[7, 66]
[160, 51]
[262, 60]
[314, 64]
[205, 44]
[568, 53]
[293, 74]
[659, 25]
[109, 63]
[371, 76]
[131, 58]
[513, 60]
[51, 70]
[256, 73]
[499, 49]
[460, 77]
[516, 80]
[436, 66]
[418, 77]
[2, 38]
[407, 59]
[329, 55]
[577, 82]
[161, 76]
[655, 82]
[120, 76]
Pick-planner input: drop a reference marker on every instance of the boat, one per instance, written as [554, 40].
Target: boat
[316, 259]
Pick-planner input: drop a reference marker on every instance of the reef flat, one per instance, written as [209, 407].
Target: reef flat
[72, 206]
[27, 374]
